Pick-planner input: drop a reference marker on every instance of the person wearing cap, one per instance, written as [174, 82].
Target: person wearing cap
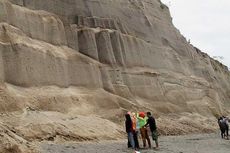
[142, 119]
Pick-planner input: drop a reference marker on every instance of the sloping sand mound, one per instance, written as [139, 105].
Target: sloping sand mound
[10, 142]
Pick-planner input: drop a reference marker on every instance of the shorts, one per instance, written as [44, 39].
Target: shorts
[155, 135]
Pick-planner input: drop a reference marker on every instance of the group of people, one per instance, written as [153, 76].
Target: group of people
[224, 127]
[138, 124]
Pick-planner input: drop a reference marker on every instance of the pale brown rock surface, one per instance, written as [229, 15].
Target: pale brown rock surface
[70, 69]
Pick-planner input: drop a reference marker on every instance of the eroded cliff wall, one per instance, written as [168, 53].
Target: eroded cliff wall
[127, 51]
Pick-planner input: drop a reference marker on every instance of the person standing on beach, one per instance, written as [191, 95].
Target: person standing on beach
[222, 127]
[225, 120]
[142, 119]
[129, 130]
[153, 128]
[135, 131]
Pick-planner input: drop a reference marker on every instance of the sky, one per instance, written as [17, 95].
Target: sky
[206, 23]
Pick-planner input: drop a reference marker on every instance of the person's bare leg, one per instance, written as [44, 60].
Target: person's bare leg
[157, 144]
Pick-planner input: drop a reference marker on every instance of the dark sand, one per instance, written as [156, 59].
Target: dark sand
[205, 143]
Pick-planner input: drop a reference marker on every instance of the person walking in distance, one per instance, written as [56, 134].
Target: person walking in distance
[151, 122]
[222, 127]
[225, 120]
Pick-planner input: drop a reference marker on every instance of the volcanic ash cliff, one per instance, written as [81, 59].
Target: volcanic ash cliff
[69, 69]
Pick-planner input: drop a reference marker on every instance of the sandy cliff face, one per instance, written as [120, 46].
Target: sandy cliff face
[60, 60]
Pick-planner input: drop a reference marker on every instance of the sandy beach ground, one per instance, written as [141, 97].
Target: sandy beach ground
[203, 143]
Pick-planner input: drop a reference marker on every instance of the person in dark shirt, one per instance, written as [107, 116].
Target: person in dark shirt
[129, 130]
[222, 127]
[153, 128]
